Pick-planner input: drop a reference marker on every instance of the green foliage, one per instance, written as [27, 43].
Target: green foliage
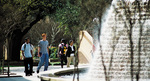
[68, 17]
[34, 6]
[91, 9]
[77, 15]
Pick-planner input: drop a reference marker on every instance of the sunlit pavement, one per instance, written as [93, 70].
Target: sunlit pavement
[20, 71]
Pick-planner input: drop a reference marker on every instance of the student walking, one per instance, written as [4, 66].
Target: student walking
[28, 56]
[62, 49]
[70, 53]
[43, 51]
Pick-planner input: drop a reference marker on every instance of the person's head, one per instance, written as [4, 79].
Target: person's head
[62, 40]
[71, 42]
[27, 40]
[44, 36]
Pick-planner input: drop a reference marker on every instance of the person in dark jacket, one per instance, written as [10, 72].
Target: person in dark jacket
[70, 53]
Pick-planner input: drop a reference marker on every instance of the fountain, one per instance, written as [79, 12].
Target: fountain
[115, 59]
[122, 53]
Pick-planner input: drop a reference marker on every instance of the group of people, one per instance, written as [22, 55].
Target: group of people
[65, 52]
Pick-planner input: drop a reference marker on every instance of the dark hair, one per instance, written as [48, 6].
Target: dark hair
[26, 39]
[63, 40]
[70, 41]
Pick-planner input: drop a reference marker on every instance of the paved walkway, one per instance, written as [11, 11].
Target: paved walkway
[20, 71]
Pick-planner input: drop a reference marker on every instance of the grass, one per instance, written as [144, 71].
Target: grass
[54, 63]
[14, 66]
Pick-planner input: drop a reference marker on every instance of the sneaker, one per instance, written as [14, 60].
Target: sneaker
[33, 72]
[30, 74]
[27, 74]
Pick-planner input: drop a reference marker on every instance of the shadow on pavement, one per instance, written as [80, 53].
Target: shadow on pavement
[14, 79]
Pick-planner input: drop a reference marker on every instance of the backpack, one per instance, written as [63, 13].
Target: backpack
[63, 49]
[25, 46]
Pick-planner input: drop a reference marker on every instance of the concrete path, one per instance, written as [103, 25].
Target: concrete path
[20, 71]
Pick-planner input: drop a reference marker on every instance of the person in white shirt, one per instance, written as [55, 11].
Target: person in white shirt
[70, 53]
[28, 56]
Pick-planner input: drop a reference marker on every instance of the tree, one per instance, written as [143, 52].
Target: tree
[55, 31]
[17, 18]
[48, 26]
[68, 17]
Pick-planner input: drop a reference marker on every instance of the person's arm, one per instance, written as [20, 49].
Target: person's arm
[48, 50]
[58, 51]
[48, 47]
[32, 54]
[39, 51]
[74, 50]
[22, 49]
[31, 50]
[66, 49]
[23, 54]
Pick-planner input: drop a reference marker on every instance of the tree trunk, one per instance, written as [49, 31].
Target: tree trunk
[1, 49]
[1, 56]
[15, 45]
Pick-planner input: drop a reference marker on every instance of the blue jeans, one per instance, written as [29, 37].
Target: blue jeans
[43, 59]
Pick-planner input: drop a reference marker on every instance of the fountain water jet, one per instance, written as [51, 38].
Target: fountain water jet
[118, 63]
